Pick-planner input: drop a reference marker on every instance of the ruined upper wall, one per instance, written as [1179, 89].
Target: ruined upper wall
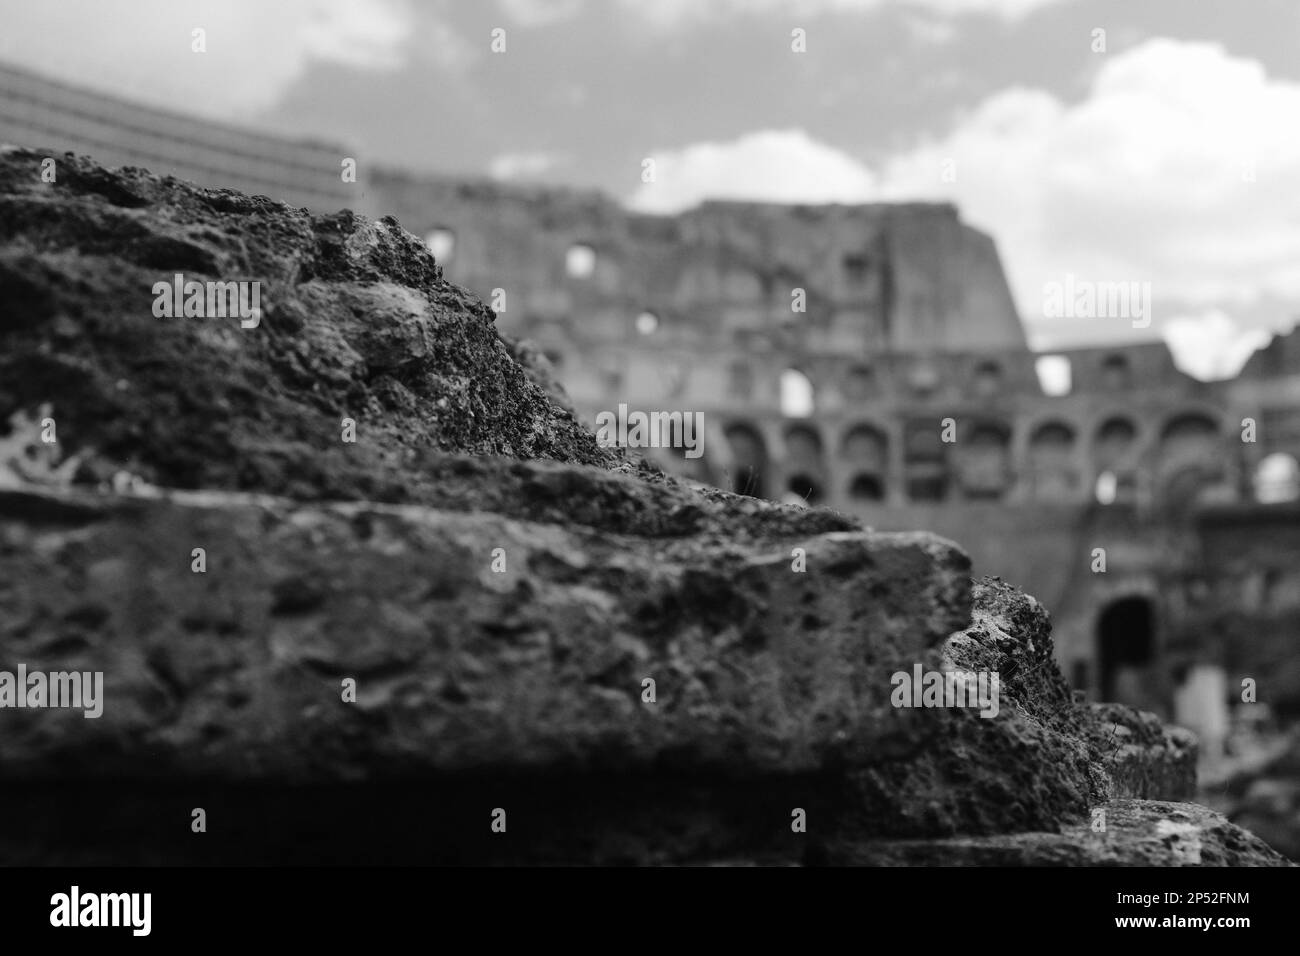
[880, 277]
[40, 113]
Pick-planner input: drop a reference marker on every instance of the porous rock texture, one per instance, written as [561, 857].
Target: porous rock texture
[633, 669]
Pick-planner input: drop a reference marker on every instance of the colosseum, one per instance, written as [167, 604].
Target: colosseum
[864, 358]
[1129, 501]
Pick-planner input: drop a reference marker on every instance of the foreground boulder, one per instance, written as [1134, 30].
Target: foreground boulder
[472, 615]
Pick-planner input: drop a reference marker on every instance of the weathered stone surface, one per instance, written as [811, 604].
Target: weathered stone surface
[357, 322]
[475, 687]
[1145, 758]
[1138, 833]
[237, 671]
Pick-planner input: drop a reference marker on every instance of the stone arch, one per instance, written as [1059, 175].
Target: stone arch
[987, 379]
[1189, 458]
[1116, 372]
[805, 463]
[1114, 439]
[1052, 472]
[983, 459]
[865, 450]
[1114, 449]
[860, 383]
[1192, 421]
[865, 444]
[925, 461]
[803, 442]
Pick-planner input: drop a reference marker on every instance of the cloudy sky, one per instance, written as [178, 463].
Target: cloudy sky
[1115, 140]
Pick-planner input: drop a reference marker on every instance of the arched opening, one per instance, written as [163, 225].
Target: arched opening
[1191, 460]
[748, 461]
[1051, 462]
[926, 462]
[796, 394]
[802, 444]
[859, 383]
[923, 377]
[804, 463]
[1115, 375]
[988, 379]
[984, 461]
[1277, 479]
[1107, 488]
[1115, 437]
[865, 448]
[442, 244]
[580, 261]
[857, 270]
[866, 488]
[1055, 374]
[1126, 650]
[1113, 454]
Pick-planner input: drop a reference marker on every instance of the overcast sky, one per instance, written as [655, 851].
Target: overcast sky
[1171, 157]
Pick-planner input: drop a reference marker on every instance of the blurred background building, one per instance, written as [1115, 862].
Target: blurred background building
[1062, 464]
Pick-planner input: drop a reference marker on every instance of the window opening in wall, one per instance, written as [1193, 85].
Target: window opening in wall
[796, 394]
[580, 261]
[1054, 374]
[1107, 487]
[1277, 479]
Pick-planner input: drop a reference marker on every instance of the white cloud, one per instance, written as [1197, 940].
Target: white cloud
[539, 13]
[1178, 168]
[1146, 179]
[255, 49]
[669, 14]
[1211, 345]
[530, 165]
[769, 166]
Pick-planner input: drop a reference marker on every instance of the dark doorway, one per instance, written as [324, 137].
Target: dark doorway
[1125, 646]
